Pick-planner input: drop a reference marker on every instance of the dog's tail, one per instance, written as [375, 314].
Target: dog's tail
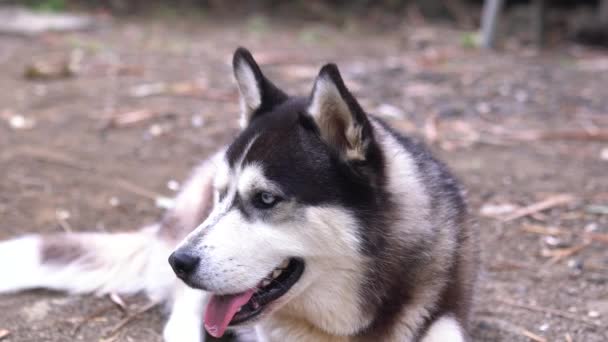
[98, 263]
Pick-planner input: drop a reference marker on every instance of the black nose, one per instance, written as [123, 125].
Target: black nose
[183, 263]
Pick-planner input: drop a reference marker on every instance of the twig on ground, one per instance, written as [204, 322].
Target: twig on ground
[543, 205]
[508, 265]
[130, 318]
[532, 336]
[598, 237]
[583, 135]
[568, 337]
[550, 311]
[118, 301]
[4, 333]
[511, 328]
[130, 118]
[110, 339]
[91, 317]
[561, 253]
[572, 216]
[542, 230]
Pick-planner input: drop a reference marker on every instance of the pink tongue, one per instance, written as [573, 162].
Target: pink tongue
[221, 310]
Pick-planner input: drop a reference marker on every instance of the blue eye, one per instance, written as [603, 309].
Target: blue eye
[265, 200]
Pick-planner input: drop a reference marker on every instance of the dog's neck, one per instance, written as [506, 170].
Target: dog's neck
[331, 304]
[329, 312]
[285, 328]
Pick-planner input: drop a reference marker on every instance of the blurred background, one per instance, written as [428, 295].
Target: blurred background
[105, 106]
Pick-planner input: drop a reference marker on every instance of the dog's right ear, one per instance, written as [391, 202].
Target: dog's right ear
[257, 93]
[341, 121]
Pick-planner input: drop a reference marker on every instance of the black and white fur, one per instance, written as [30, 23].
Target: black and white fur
[380, 225]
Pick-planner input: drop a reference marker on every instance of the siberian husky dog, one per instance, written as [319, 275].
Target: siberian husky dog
[317, 223]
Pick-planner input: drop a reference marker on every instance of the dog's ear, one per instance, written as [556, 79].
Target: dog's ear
[257, 93]
[341, 121]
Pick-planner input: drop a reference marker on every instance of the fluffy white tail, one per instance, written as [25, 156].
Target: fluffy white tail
[98, 263]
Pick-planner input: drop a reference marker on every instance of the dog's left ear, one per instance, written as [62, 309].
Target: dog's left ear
[257, 93]
[341, 121]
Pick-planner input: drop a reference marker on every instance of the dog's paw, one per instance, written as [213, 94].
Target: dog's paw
[184, 329]
[444, 329]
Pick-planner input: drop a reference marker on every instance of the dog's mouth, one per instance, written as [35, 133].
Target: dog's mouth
[234, 309]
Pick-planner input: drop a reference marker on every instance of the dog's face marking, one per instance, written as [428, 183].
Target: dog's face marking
[297, 183]
[261, 161]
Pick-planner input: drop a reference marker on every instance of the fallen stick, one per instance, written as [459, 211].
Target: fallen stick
[550, 311]
[562, 253]
[532, 335]
[513, 329]
[542, 230]
[91, 317]
[561, 135]
[130, 118]
[598, 237]
[508, 266]
[4, 333]
[543, 205]
[118, 301]
[130, 318]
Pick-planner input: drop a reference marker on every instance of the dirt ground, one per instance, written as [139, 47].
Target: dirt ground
[82, 166]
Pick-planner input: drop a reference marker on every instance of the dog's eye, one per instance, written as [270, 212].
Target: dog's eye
[265, 200]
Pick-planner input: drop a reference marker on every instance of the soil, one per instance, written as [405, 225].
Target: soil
[74, 170]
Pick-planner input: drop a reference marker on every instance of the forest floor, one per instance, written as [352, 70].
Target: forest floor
[152, 97]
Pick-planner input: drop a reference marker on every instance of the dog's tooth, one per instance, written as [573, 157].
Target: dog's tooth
[266, 282]
[276, 273]
[284, 264]
[239, 310]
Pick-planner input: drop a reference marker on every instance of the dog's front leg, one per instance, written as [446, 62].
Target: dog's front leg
[446, 328]
[185, 322]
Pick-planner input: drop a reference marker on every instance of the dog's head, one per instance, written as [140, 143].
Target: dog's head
[284, 228]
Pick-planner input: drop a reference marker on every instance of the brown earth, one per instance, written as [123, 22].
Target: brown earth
[73, 161]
